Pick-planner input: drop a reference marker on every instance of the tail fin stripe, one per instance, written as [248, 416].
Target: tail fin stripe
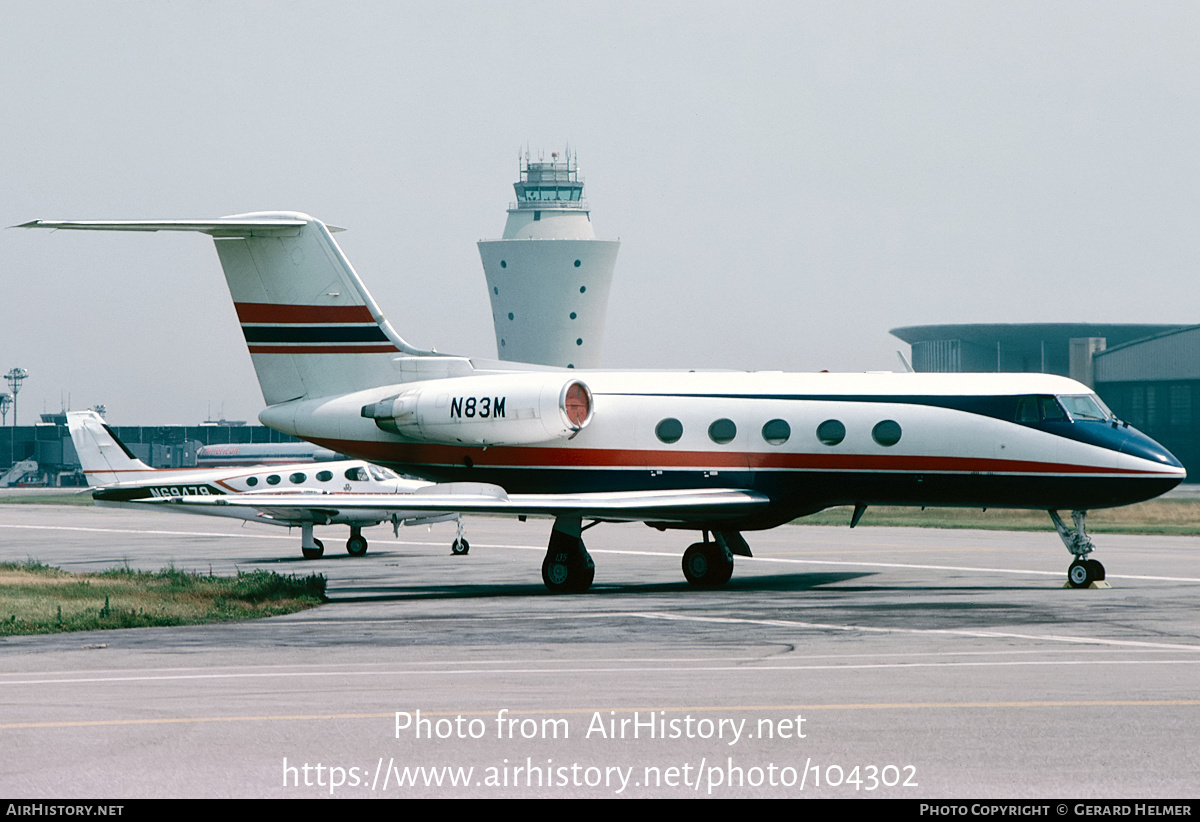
[314, 334]
[323, 349]
[277, 313]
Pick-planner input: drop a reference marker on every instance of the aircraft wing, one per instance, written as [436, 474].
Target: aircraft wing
[656, 506]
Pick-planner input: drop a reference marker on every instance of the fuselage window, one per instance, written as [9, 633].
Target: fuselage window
[357, 474]
[252, 481]
[831, 432]
[669, 430]
[297, 478]
[722, 431]
[776, 432]
[324, 476]
[273, 479]
[886, 432]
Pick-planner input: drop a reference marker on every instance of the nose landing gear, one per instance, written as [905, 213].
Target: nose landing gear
[1084, 572]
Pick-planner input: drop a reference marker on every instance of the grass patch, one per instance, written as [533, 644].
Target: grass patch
[67, 497]
[39, 599]
[1160, 516]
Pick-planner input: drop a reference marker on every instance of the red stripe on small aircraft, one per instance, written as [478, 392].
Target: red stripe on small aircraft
[278, 313]
[524, 457]
[323, 349]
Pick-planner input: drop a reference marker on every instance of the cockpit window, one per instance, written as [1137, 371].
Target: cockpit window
[381, 474]
[1051, 410]
[1085, 407]
[357, 474]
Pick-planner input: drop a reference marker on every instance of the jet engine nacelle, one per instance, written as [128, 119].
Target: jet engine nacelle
[507, 409]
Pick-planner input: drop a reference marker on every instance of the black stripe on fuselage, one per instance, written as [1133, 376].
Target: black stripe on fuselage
[799, 493]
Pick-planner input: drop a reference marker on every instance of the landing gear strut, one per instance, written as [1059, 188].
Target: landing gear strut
[310, 546]
[460, 546]
[567, 568]
[356, 546]
[1084, 572]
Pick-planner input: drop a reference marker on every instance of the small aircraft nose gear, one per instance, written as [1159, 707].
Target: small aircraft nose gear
[568, 567]
[356, 546]
[310, 546]
[1084, 572]
[460, 546]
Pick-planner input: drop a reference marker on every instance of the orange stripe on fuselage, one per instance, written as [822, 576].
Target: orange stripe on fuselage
[277, 313]
[524, 457]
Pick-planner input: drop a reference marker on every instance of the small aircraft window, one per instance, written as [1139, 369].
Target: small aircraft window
[831, 432]
[252, 481]
[297, 478]
[380, 474]
[886, 432]
[776, 432]
[1084, 407]
[324, 476]
[669, 430]
[357, 474]
[722, 431]
[273, 479]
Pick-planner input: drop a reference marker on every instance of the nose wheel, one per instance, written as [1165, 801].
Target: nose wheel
[1084, 572]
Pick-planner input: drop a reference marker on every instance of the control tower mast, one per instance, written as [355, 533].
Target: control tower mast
[549, 277]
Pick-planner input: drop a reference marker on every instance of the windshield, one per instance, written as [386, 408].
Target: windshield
[1085, 407]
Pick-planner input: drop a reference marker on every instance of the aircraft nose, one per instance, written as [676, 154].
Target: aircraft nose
[1137, 444]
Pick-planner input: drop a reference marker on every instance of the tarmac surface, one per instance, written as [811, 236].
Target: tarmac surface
[837, 663]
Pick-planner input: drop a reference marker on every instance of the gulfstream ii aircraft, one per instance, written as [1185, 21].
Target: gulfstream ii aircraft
[718, 453]
[120, 480]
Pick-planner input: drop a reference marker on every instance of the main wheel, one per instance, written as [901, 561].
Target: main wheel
[1081, 574]
[314, 553]
[707, 565]
[356, 546]
[460, 547]
[1097, 569]
[563, 574]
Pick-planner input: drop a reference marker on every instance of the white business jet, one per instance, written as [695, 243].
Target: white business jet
[719, 453]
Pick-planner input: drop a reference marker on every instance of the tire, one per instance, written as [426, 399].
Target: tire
[567, 575]
[1097, 569]
[460, 547]
[1081, 573]
[314, 553]
[706, 565]
[356, 546]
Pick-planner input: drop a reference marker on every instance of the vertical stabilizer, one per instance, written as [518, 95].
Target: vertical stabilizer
[104, 458]
[311, 327]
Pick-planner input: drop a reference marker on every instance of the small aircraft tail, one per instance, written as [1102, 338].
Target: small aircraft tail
[312, 328]
[104, 458]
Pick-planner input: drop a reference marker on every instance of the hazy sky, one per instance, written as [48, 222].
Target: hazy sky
[788, 180]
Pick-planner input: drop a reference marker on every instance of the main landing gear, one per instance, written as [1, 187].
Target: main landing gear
[1084, 572]
[310, 546]
[568, 567]
[460, 547]
[710, 564]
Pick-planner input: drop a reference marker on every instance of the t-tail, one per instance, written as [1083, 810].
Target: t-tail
[104, 458]
[311, 327]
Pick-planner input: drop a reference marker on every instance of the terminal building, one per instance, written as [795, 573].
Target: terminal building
[548, 276]
[1149, 375]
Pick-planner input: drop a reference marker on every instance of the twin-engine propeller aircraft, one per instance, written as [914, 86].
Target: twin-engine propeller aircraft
[719, 453]
[296, 494]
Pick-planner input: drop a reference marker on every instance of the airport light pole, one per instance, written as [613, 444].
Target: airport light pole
[14, 378]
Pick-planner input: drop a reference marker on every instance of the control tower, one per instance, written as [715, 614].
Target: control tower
[548, 276]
